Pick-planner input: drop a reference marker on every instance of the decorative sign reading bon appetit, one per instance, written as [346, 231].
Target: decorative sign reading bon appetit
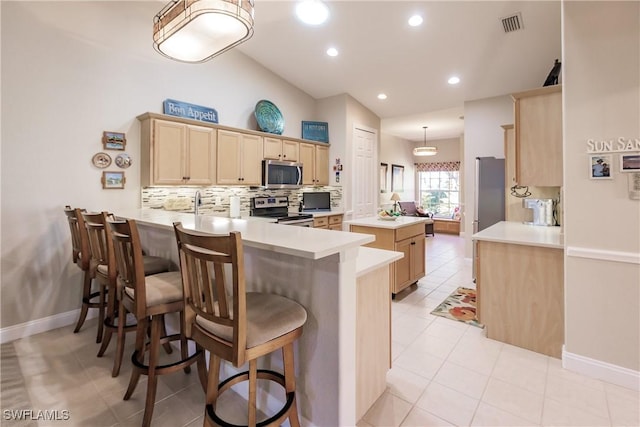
[189, 111]
[619, 145]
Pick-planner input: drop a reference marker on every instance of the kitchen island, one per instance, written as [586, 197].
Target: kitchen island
[520, 285]
[404, 234]
[322, 270]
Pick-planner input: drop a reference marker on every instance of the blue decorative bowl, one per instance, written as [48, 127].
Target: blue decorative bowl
[269, 118]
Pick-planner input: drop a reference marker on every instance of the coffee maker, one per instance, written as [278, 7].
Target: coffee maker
[542, 210]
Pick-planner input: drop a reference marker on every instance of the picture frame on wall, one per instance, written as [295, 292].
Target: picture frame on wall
[630, 162]
[113, 140]
[384, 170]
[112, 180]
[397, 178]
[600, 166]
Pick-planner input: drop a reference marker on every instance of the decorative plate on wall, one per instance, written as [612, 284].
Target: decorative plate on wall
[101, 160]
[269, 117]
[123, 160]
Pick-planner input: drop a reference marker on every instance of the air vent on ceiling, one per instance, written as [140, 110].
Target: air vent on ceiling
[512, 23]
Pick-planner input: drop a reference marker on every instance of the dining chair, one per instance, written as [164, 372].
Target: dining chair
[149, 299]
[236, 325]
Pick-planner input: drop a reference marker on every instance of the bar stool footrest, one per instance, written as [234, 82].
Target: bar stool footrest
[262, 374]
[94, 304]
[169, 367]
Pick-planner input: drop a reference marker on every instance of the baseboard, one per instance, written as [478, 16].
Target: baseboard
[608, 372]
[22, 330]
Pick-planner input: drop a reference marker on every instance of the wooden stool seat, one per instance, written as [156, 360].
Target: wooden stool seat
[235, 325]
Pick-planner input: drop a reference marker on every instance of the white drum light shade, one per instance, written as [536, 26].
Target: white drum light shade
[197, 30]
[425, 151]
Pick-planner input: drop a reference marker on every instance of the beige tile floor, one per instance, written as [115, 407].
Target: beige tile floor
[444, 373]
[448, 373]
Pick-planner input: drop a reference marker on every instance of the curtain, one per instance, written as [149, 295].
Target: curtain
[437, 166]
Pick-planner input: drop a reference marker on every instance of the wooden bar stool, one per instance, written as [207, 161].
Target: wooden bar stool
[81, 256]
[149, 298]
[103, 262]
[235, 325]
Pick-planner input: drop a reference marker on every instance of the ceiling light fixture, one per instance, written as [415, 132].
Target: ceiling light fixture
[197, 30]
[425, 151]
[312, 12]
[453, 80]
[415, 21]
[382, 96]
[332, 51]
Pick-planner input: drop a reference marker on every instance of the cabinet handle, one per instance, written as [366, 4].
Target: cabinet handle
[413, 243]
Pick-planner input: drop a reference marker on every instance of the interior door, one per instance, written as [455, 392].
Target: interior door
[365, 173]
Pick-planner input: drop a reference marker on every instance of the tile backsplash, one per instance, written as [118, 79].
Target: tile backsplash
[215, 200]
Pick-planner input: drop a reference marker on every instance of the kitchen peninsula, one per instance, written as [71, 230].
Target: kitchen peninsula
[520, 285]
[404, 234]
[344, 292]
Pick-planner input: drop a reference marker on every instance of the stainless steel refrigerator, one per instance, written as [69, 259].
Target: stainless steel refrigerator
[489, 196]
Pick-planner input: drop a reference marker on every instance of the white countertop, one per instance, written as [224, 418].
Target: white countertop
[313, 243]
[370, 259]
[521, 234]
[374, 221]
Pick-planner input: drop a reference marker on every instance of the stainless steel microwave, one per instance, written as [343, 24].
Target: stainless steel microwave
[279, 174]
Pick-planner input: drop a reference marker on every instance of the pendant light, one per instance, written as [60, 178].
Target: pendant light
[197, 30]
[424, 150]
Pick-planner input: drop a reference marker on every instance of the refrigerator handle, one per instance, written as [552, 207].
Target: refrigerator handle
[474, 224]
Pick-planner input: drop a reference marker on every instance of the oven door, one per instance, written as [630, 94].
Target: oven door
[307, 222]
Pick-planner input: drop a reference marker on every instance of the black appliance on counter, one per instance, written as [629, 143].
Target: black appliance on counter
[278, 208]
[319, 201]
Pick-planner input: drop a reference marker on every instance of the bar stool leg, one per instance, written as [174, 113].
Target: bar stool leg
[290, 382]
[117, 361]
[139, 353]
[103, 303]
[109, 320]
[86, 293]
[157, 326]
[253, 380]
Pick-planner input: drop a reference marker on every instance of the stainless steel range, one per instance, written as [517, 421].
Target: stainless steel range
[278, 207]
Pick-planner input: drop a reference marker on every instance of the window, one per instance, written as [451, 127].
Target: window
[439, 192]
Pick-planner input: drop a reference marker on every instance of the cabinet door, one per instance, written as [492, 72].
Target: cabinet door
[308, 158]
[251, 160]
[290, 151]
[322, 165]
[403, 266]
[539, 138]
[272, 148]
[200, 155]
[168, 147]
[418, 252]
[228, 157]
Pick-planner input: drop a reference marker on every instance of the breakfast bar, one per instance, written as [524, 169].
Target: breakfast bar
[339, 286]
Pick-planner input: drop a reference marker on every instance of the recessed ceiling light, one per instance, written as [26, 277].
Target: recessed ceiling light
[332, 51]
[454, 80]
[312, 12]
[415, 20]
[382, 96]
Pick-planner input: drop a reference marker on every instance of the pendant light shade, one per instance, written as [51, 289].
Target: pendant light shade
[424, 150]
[197, 30]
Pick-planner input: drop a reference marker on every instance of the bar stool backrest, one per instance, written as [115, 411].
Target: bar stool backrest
[81, 253]
[205, 262]
[100, 242]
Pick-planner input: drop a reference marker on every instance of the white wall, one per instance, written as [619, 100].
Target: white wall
[483, 137]
[601, 95]
[398, 151]
[63, 84]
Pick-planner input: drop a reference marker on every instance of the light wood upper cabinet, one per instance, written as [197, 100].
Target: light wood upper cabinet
[177, 153]
[239, 159]
[538, 135]
[315, 164]
[281, 149]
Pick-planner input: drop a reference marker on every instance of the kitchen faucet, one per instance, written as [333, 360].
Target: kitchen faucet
[197, 200]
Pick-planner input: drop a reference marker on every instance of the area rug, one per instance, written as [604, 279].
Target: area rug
[460, 306]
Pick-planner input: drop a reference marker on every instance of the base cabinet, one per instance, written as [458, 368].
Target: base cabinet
[409, 240]
[521, 295]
